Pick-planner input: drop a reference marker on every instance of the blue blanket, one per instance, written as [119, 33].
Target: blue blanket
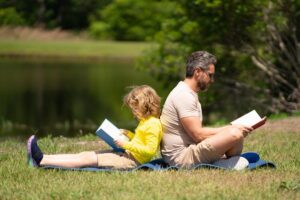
[159, 164]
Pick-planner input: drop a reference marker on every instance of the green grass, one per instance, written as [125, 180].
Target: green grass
[283, 115]
[18, 181]
[71, 48]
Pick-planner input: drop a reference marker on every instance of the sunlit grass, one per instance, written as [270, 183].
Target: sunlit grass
[18, 181]
[71, 48]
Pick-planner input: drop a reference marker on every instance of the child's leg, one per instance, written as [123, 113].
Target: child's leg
[116, 160]
[82, 159]
[37, 158]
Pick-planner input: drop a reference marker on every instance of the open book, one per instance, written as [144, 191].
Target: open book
[251, 119]
[108, 132]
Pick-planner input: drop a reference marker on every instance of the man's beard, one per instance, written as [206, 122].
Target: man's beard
[203, 86]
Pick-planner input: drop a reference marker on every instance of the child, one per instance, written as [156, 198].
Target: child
[145, 105]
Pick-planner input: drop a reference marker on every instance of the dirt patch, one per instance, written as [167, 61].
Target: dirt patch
[291, 124]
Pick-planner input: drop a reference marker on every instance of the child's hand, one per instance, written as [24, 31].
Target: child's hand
[124, 132]
[120, 143]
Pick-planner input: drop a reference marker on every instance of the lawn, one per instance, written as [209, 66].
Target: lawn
[277, 141]
[71, 48]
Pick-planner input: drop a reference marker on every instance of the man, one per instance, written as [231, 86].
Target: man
[186, 142]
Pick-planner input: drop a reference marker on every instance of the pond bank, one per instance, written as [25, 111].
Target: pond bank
[70, 49]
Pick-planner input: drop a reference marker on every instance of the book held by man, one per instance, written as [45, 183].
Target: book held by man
[251, 119]
[108, 132]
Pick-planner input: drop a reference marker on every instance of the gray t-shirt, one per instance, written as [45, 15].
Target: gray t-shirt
[181, 102]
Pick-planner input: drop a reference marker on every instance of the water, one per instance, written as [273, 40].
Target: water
[65, 97]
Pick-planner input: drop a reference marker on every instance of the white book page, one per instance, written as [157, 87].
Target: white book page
[112, 130]
[248, 119]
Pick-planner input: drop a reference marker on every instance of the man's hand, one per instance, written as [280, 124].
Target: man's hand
[245, 129]
[120, 143]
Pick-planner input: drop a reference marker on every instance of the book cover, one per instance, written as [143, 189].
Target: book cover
[108, 132]
[251, 119]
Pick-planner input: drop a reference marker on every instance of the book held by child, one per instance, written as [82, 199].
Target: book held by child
[108, 132]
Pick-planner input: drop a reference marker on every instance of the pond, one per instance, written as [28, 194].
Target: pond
[66, 97]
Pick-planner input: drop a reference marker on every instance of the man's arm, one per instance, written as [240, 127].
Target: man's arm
[193, 127]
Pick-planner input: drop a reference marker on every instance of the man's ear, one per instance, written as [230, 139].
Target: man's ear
[196, 72]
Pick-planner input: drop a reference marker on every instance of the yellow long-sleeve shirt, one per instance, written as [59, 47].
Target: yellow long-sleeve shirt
[144, 143]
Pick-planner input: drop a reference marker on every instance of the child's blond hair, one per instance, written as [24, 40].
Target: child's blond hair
[144, 101]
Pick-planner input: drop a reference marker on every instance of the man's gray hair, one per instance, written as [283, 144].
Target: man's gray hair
[199, 59]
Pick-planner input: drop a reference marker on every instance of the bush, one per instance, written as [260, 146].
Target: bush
[99, 30]
[10, 17]
[130, 20]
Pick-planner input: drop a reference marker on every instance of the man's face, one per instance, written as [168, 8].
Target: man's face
[205, 77]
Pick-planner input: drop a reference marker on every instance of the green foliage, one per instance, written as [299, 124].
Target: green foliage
[232, 31]
[217, 26]
[130, 19]
[283, 115]
[10, 17]
[99, 30]
[278, 116]
[68, 14]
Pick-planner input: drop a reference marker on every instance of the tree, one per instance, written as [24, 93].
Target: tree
[232, 31]
[67, 14]
[280, 58]
[130, 20]
[9, 17]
